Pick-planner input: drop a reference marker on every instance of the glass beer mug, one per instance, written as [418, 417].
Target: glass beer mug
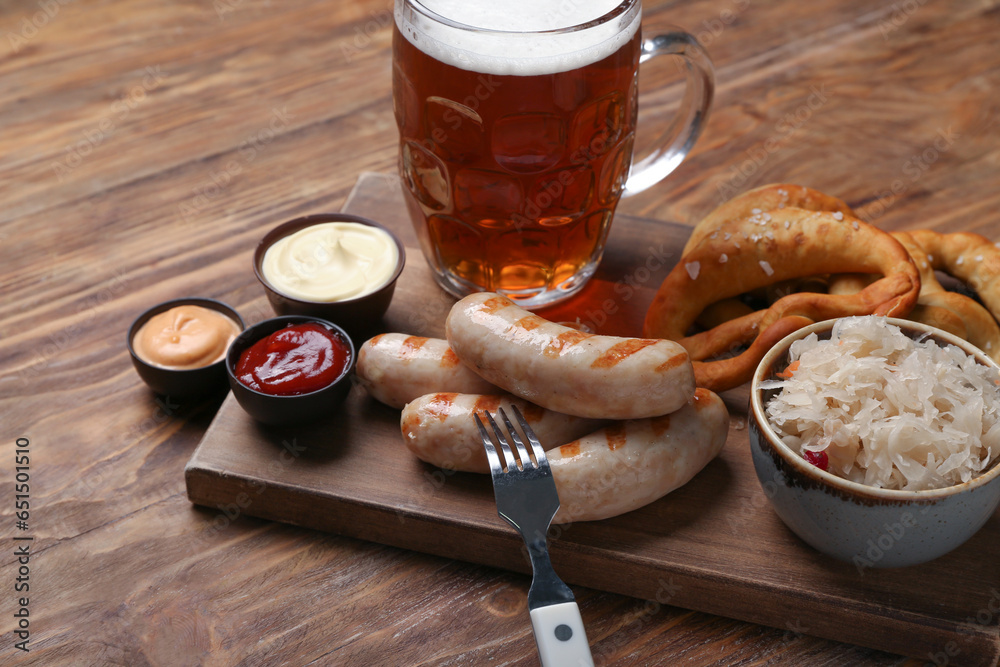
[517, 122]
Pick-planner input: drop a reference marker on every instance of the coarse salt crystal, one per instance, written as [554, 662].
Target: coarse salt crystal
[693, 269]
[727, 236]
[764, 264]
[855, 225]
[959, 261]
[788, 223]
[979, 258]
[837, 215]
[755, 211]
[723, 258]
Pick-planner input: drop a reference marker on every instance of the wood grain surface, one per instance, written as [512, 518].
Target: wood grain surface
[145, 147]
[714, 545]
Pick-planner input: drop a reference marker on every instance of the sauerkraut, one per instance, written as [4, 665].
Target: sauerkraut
[888, 411]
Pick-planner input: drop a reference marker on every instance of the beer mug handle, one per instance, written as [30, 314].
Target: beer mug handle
[678, 139]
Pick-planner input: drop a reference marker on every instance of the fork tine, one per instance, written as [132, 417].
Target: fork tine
[536, 446]
[507, 453]
[491, 452]
[522, 452]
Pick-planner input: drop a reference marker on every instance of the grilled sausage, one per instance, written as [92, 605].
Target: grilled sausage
[440, 429]
[569, 371]
[396, 368]
[630, 464]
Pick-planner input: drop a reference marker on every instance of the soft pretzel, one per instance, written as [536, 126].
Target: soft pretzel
[964, 255]
[970, 257]
[748, 254]
[756, 205]
[761, 201]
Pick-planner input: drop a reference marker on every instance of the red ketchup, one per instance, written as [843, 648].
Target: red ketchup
[295, 360]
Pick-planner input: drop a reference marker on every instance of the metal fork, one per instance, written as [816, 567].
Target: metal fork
[527, 499]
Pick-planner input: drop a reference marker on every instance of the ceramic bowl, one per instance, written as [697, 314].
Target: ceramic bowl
[859, 524]
[298, 408]
[176, 383]
[357, 315]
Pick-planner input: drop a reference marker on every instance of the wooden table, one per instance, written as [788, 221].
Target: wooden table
[146, 147]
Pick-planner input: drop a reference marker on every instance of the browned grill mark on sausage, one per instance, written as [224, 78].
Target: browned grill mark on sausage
[375, 339]
[411, 422]
[700, 398]
[673, 362]
[621, 351]
[440, 405]
[529, 322]
[532, 412]
[449, 359]
[563, 341]
[493, 304]
[660, 425]
[615, 435]
[570, 449]
[486, 403]
[410, 347]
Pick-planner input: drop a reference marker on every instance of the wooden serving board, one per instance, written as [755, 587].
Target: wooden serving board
[714, 545]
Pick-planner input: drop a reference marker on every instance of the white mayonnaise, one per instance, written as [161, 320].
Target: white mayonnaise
[331, 261]
[496, 48]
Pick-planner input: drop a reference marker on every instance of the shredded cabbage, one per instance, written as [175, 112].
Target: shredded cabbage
[888, 411]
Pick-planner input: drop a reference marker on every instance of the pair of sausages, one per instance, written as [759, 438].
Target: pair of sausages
[621, 416]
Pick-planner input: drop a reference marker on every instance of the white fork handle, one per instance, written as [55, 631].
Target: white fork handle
[559, 634]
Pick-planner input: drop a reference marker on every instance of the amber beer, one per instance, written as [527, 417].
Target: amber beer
[512, 178]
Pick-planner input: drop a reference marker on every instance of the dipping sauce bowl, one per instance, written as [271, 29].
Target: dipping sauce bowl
[181, 382]
[270, 408]
[357, 314]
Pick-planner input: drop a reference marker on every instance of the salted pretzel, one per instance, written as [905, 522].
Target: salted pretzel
[749, 254]
[969, 257]
[756, 203]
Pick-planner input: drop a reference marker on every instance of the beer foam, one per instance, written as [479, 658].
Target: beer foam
[498, 49]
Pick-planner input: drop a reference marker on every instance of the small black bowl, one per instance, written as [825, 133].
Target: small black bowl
[186, 383]
[359, 314]
[298, 408]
